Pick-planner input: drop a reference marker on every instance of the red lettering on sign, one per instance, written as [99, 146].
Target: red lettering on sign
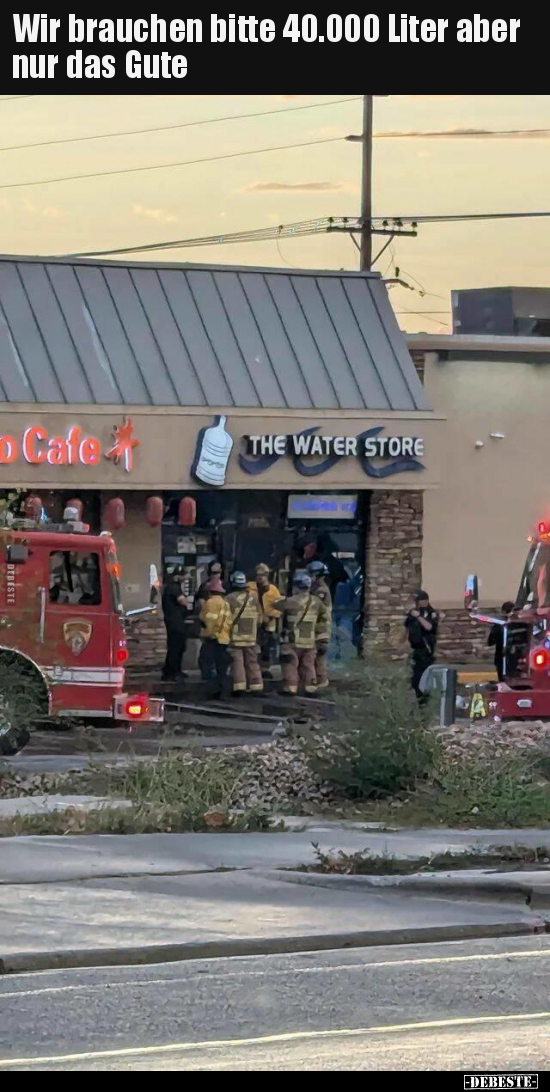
[90, 451]
[73, 444]
[31, 452]
[57, 452]
[8, 450]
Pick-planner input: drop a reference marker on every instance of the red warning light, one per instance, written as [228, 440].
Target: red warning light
[543, 528]
[540, 659]
[137, 708]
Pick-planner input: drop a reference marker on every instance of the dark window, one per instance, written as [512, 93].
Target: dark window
[75, 579]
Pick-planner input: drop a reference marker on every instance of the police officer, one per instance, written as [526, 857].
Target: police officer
[318, 572]
[421, 624]
[175, 609]
[304, 614]
[246, 615]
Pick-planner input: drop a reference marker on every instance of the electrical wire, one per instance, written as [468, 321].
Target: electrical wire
[427, 315]
[166, 166]
[169, 128]
[321, 225]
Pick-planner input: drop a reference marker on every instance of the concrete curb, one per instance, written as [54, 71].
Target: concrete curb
[28, 962]
[456, 885]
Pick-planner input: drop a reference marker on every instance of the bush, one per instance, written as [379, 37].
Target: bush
[378, 743]
[194, 785]
[506, 792]
[23, 702]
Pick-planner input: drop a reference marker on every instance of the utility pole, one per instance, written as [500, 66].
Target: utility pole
[366, 192]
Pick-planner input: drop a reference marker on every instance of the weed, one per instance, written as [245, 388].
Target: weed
[365, 863]
[378, 743]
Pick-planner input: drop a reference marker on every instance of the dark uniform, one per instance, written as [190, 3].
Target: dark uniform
[422, 642]
[175, 618]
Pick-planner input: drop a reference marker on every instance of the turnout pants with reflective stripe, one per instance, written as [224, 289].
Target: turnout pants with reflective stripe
[246, 669]
[321, 667]
[298, 666]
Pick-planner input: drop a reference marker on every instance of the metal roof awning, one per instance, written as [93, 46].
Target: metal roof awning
[106, 333]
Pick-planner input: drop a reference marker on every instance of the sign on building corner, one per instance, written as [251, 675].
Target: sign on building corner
[75, 448]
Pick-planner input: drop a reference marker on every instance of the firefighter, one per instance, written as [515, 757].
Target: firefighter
[268, 594]
[318, 572]
[215, 619]
[421, 624]
[175, 609]
[304, 615]
[214, 572]
[246, 615]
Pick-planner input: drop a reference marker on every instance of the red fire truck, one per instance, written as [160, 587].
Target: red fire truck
[525, 689]
[63, 629]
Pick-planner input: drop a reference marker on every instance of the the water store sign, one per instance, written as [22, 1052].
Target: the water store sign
[379, 456]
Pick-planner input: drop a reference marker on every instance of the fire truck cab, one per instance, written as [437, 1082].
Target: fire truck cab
[525, 689]
[62, 622]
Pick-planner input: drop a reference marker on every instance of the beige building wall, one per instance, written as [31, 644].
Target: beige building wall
[138, 547]
[491, 497]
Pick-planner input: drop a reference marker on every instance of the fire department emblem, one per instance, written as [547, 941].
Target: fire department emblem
[77, 635]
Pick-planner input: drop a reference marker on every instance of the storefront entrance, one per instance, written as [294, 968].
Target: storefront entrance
[285, 531]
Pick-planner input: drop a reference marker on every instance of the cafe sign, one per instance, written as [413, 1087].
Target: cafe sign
[38, 446]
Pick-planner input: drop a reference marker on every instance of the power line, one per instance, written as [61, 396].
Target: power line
[166, 166]
[321, 225]
[169, 128]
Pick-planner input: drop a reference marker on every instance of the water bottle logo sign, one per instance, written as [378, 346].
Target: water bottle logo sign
[214, 447]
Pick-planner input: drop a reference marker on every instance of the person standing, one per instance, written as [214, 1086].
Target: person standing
[421, 624]
[214, 572]
[496, 640]
[246, 615]
[215, 619]
[267, 594]
[303, 615]
[318, 572]
[175, 609]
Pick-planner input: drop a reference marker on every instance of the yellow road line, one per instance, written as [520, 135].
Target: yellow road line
[143, 983]
[286, 1037]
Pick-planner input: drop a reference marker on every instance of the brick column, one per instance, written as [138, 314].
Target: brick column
[419, 361]
[393, 567]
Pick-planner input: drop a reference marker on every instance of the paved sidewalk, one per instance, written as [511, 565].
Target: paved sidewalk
[41, 859]
[160, 918]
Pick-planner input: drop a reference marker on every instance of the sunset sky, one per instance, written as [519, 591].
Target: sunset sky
[414, 175]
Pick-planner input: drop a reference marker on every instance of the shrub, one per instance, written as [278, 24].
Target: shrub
[378, 743]
[506, 792]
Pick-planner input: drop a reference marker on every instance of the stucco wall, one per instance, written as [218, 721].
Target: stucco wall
[490, 498]
[138, 547]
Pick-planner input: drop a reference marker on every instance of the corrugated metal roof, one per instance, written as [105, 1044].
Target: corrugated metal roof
[166, 335]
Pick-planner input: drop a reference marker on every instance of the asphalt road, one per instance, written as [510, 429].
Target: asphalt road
[469, 1005]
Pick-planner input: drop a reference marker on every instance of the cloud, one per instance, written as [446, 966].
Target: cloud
[162, 216]
[294, 187]
[459, 133]
[49, 212]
